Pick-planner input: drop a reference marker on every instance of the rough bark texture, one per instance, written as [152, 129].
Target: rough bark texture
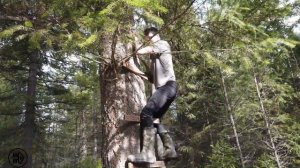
[29, 123]
[121, 93]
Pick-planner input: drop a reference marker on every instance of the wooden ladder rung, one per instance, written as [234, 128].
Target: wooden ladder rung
[157, 164]
[132, 118]
[136, 118]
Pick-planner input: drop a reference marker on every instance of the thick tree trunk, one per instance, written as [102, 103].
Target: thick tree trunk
[121, 93]
[29, 123]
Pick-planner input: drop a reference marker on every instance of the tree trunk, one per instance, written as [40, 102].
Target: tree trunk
[76, 142]
[95, 126]
[232, 121]
[84, 142]
[121, 93]
[29, 123]
[267, 123]
[208, 123]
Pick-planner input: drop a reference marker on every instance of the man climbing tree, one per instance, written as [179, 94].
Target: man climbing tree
[164, 81]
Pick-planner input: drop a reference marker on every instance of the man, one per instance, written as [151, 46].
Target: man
[163, 78]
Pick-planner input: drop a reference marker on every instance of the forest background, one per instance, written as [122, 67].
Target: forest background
[236, 62]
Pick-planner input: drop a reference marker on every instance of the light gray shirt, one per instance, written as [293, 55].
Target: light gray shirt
[162, 64]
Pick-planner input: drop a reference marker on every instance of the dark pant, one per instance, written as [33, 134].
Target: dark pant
[158, 103]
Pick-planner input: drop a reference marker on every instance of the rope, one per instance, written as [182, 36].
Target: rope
[160, 30]
[196, 51]
[173, 52]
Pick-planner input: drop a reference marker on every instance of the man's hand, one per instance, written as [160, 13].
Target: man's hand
[145, 50]
[146, 76]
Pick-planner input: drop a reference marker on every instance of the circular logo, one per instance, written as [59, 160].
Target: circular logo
[17, 157]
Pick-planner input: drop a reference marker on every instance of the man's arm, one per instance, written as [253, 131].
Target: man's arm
[129, 65]
[145, 50]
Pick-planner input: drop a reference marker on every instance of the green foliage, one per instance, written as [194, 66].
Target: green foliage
[28, 24]
[223, 156]
[10, 101]
[90, 163]
[149, 9]
[238, 39]
[11, 30]
[34, 41]
[88, 41]
[266, 161]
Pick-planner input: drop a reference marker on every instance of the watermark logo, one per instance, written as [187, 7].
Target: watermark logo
[17, 157]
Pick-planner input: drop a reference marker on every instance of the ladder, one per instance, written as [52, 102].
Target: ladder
[158, 164]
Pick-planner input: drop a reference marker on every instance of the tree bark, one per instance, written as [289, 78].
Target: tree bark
[267, 123]
[76, 142]
[121, 93]
[30, 112]
[84, 142]
[95, 126]
[232, 121]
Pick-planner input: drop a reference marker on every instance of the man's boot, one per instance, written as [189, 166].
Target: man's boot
[169, 147]
[147, 154]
